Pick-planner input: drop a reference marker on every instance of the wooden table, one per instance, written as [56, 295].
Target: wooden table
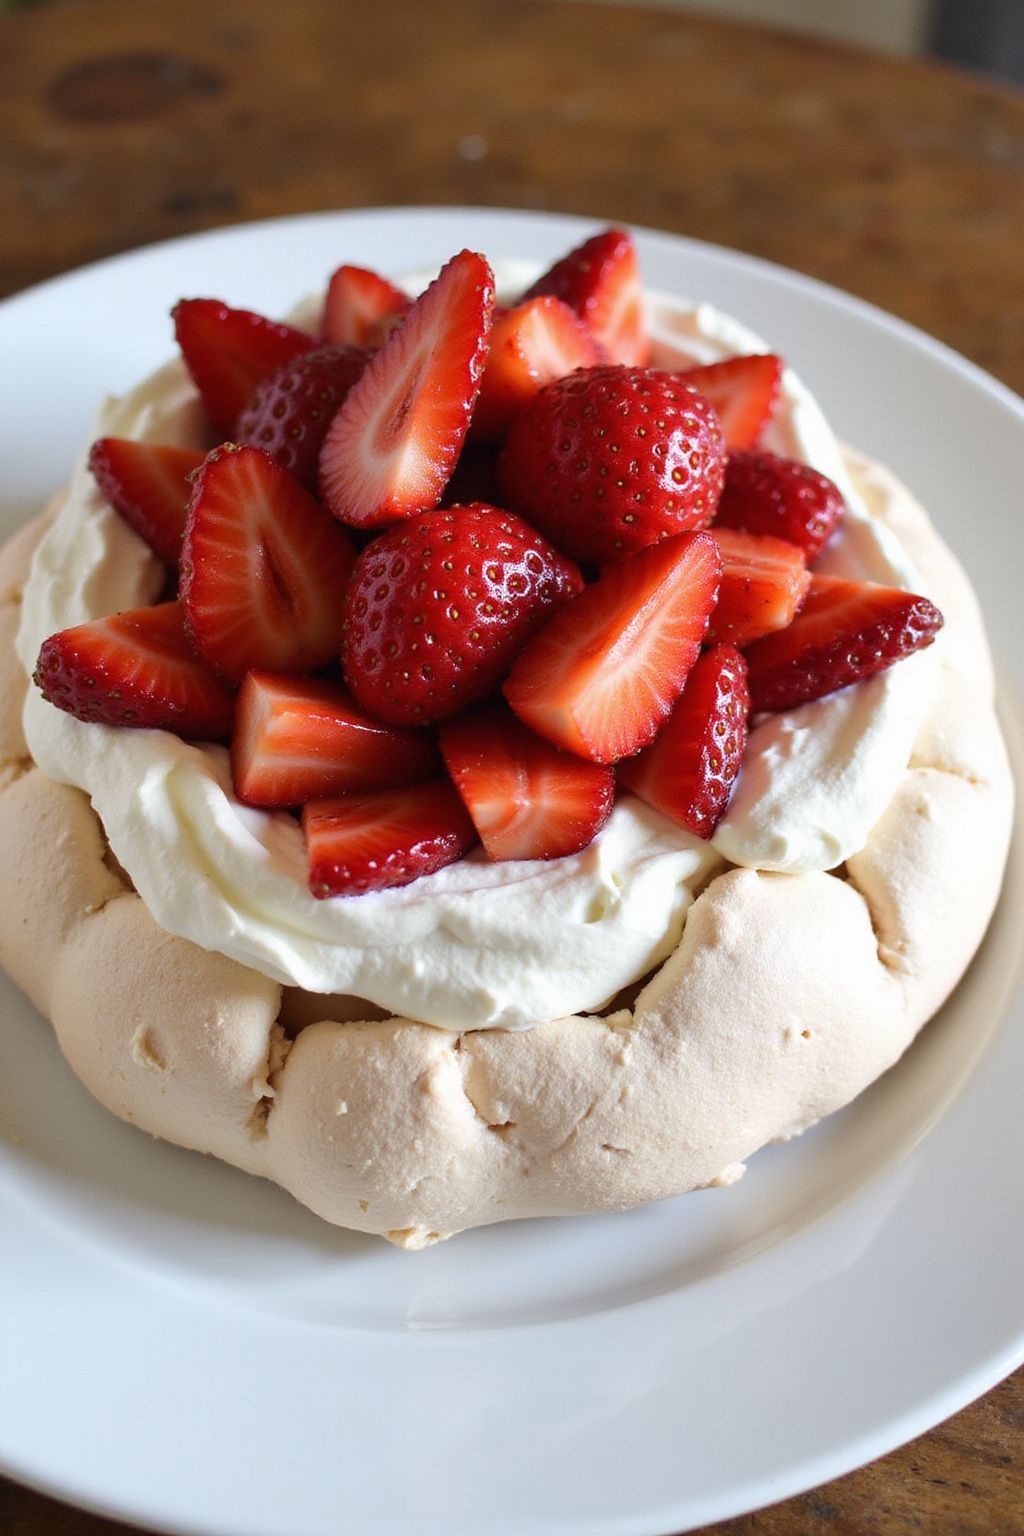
[125, 123]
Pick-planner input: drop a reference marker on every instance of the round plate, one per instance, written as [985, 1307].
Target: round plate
[196, 1352]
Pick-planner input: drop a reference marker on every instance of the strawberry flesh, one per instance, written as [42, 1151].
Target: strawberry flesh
[149, 485]
[357, 301]
[689, 770]
[229, 351]
[528, 800]
[392, 446]
[845, 631]
[765, 493]
[532, 345]
[371, 842]
[263, 567]
[291, 410]
[136, 669]
[602, 677]
[600, 281]
[743, 391]
[764, 581]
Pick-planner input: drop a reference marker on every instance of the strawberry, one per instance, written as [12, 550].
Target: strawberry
[357, 300]
[292, 408]
[527, 799]
[392, 446]
[263, 567]
[297, 739]
[608, 460]
[743, 391]
[438, 607]
[600, 281]
[764, 581]
[845, 631]
[148, 483]
[228, 351]
[531, 345]
[360, 843]
[603, 675]
[765, 493]
[136, 669]
[689, 770]
[475, 477]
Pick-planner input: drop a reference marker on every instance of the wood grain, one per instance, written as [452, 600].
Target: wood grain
[125, 123]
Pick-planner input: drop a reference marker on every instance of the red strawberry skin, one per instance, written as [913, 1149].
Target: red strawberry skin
[149, 485]
[600, 281]
[743, 391]
[764, 581]
[603, 675]
[611, 459]
[291, 410]
[372, 842]
[229, 351]
[297, 738]
[357, 301]
[263, 567]
[527, 799]
[765, 493]
[136, 669]
[392, 447]
[438, 607]
[845, 631]
[689, 770]
[531, 345]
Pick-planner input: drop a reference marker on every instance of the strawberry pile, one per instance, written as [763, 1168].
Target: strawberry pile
[458, 570]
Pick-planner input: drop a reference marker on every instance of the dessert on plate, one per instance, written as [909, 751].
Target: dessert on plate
[489, 750]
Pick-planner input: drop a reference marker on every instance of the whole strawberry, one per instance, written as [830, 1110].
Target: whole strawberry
[290, 411]
[611, 459]
[765, 493]
[438, 607]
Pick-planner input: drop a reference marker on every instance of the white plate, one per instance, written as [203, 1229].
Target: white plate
[187, 1348]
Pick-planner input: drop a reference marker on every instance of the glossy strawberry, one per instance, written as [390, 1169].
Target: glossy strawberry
[602, 676]
[438, 607]
[609, 460]
[358, 300]
[136, 669]
[390, 837]
[229, 351]
[149, 485]
[764, 581]
[290, 412]
[689, 770]
[764, 493]
[392, 446]
[600, 281]
[743, 391]
[531, 345]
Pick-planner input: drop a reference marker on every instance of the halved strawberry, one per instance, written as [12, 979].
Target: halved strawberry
[263, 567]
[297, 739]
[689, 770]
[357, 300]
[528, 800]
[531, 345]
[360, 843]
[600, 281]
[292, 408]
[148, 483]
[764, 581]
[845, 631]
[743, 391]
[603, 675]
[392, 446]
[228, 351]
[766, 493]
[136, 669]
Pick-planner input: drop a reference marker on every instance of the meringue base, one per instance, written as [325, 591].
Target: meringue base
[788, 995]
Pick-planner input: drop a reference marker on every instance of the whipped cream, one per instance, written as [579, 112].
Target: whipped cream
[477, 945]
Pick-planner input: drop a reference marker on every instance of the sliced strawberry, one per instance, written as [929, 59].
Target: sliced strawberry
[531, 345]
[392, 446]
[136, 669]
[148, 483]
[228, 351]
[603, 675]
[528, 800]
[299, 739]
[743, 391]
[357, 300]
[689, 770]
[765, 493]
[291, 410]
[360, 843]
[845, 631]
[263, 567]
[600, 281]
[764, 581]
